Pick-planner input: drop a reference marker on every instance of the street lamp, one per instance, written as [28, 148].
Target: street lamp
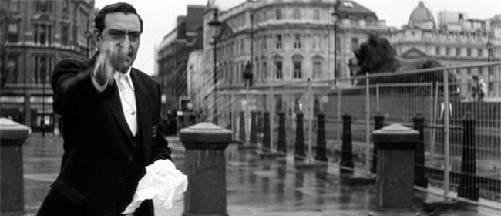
[334, 17]
[215, 29]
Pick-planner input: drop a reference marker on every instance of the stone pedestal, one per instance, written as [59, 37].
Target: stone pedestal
[12, 137]
[395, 167]
[206, 169]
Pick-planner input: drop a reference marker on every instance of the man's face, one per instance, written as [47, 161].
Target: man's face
[124, 31]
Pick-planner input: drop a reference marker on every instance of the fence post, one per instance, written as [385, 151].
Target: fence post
[378, 124]
[346, 146]
[253, 133]
[420, 169]
[321, 146]
[299, 144]
[395, 168]
[242, 127]
[266, 131]
[282, 143]
[205, 144]
[12, 136]
[468, 185]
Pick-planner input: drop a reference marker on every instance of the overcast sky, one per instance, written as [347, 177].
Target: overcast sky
[160, 16]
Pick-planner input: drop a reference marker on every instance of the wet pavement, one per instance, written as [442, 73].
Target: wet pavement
[264, 187]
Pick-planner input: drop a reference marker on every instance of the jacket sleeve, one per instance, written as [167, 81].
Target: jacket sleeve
[161, 149]
[72, 78]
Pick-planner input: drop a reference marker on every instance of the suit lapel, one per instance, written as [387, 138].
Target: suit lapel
[144, 113]
[115, 107]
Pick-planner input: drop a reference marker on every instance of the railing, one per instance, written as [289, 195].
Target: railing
[449, 140]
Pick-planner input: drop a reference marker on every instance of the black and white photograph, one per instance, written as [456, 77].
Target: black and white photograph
[250, 107]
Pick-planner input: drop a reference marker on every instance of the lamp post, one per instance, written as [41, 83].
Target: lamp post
[215, 29]
[334, 17]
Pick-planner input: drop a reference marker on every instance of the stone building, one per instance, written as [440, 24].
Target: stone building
[285, 41]
[35, 35]
[172, 56]
[453, 39]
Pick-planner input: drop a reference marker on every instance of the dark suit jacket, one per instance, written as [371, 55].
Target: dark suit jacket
[102, 161]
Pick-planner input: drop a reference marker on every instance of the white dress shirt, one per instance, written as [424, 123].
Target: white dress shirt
[127, 97]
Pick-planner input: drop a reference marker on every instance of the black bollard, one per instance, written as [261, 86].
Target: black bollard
[266, 131]
[346, 146]
[420, 169]
[299, 144]
[242, 127]
[378, 124]
[281, 142]
[253, 133]
[468, 186]
[321, 146]
[192, 118]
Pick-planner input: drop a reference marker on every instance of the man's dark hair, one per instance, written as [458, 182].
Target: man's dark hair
[112, 8]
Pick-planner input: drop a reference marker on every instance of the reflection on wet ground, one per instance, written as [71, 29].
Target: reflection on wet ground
[255, 186]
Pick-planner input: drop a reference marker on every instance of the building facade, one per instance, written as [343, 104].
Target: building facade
[453, 39]
[35, 36]
[172, 56]
[285, 42]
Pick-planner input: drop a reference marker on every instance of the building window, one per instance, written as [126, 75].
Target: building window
[65, 7]
[447, 51]
[468, 52]
[279, 14]
[316, 14]
[279, 41]
[278, 70]
[11, 69]
[317, 70]
[338, 44]
[297, 41]
[242, 46]
[41, 69]
[13, 32]
[480, 52]
[265, 70]
[354, 43]
[265, 42]
[43, 6]
[297, 14]
[298, 105]
[458, 51]
[65, 34]
[75, 34]
[297, 70]
[437, 51]
[278, 103]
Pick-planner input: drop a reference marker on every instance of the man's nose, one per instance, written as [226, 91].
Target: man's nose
[125, 43]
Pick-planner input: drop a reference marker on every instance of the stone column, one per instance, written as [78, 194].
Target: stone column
[206, 169]
[12, 139]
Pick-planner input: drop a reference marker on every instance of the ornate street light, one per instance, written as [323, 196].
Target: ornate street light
[215, 30]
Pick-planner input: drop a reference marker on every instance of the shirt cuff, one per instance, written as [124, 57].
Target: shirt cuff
[99, 88]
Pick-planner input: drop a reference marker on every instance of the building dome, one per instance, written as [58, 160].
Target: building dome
[421, 15]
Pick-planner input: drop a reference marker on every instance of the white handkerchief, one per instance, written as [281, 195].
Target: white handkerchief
[163, 181]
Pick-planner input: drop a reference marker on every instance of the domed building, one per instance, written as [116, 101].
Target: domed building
[422, 17]
[455, 41]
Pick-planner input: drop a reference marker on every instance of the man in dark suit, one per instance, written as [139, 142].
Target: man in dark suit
[110, 112]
